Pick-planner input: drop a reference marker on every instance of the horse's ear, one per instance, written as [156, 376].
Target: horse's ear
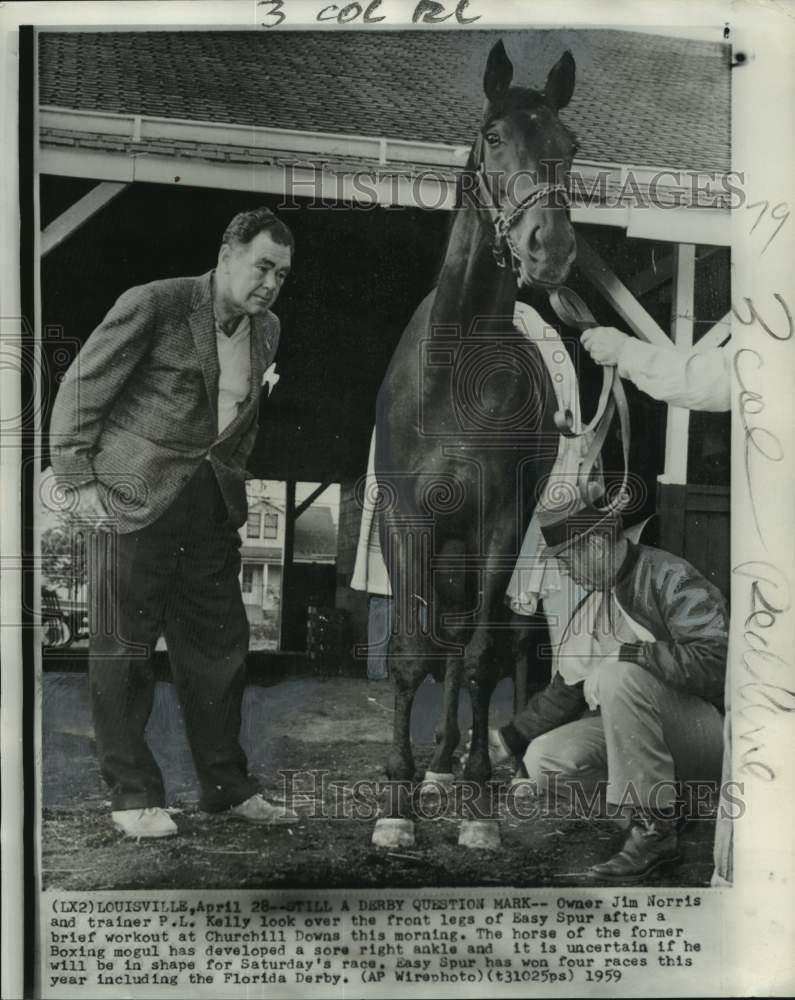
[560, 82]
[499, 73]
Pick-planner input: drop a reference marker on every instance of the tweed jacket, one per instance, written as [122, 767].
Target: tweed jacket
[138, 408]
[688, 618]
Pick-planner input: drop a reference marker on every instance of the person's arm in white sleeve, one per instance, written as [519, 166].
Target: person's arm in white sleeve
[695, 380]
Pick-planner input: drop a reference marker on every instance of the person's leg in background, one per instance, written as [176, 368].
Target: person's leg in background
[379, 622]
[723, 876]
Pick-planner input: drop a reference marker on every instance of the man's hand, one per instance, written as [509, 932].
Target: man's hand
[498, 751]
[590, 688]
[90, 503]
[604, 344]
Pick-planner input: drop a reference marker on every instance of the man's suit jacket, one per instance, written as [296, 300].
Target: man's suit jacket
[138, 408]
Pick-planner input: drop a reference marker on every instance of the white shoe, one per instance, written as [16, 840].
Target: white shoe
[137, 823]
[257, 810]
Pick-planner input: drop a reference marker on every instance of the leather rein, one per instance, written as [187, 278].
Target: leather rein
[572, 311]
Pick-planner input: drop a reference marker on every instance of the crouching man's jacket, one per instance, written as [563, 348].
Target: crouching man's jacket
[684, 612]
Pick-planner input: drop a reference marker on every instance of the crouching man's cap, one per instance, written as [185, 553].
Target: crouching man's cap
[574, 518]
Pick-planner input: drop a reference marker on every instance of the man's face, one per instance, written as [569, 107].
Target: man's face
[252, 274]
[589, 561]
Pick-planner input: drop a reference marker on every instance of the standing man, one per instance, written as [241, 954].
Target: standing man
[151, 431]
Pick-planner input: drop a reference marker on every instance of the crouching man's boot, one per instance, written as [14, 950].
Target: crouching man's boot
[651, 842]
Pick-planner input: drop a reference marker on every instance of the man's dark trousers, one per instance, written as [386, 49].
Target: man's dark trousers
[177, 577]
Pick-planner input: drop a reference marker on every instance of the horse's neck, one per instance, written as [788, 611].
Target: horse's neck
[470, 283]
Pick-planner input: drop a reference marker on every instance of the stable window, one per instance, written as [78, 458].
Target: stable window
[270, 525]
[253, 526]
[247, 582]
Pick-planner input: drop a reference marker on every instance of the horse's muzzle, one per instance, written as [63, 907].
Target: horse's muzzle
[544, 276]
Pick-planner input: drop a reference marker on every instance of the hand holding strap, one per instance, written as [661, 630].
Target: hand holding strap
[572, 311]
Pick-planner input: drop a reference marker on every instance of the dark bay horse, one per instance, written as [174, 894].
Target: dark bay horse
[465, 433]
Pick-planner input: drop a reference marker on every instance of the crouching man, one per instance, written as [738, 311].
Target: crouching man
[636, 695]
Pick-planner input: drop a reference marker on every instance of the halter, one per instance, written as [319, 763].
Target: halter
[572, 311]
[504, 221]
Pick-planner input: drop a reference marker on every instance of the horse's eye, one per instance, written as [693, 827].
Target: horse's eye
[493, 139]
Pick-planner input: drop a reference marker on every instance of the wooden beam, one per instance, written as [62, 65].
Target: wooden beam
[618, 295]
[306, 503]
[660, 273]
[717, 335]
[78, 214]
[702, 226]
[678, 422]
[652, 277]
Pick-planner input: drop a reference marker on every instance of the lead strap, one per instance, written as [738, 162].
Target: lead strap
[572, 311]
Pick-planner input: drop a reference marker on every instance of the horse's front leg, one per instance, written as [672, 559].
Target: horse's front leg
[485, 660]
[480, 823]
[448, 734]
[395, 826]
[450, 596]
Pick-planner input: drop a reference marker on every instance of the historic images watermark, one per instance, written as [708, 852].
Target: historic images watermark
[430, 188]
[315, 796]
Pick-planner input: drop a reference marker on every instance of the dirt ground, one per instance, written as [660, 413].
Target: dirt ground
[339, 726]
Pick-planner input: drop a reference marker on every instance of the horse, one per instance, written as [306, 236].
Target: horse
[465, 434]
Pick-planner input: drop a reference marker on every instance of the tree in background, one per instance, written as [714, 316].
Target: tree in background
[63, 558]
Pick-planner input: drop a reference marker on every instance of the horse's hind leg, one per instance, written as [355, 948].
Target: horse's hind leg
[395, 827]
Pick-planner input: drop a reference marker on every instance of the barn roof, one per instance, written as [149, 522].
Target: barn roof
[315, 536]
[264, 504]
[640, 99]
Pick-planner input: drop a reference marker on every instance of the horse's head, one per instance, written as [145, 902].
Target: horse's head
[525, 155]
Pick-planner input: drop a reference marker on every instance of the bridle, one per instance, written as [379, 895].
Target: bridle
[572, 311]
[503, 221]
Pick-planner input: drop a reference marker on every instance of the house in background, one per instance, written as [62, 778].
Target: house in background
[262, 550]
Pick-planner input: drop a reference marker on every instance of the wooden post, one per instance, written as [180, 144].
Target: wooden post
[717, 335]
[287, 568]
[678, 422]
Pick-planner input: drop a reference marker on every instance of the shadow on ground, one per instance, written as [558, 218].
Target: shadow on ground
[321, 735]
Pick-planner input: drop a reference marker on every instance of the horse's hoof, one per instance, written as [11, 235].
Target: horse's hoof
[392, 833]
[481, 833]
[523, 797]
[436, 781]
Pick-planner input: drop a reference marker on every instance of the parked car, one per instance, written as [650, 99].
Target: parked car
[78, 622]
[56, 630]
